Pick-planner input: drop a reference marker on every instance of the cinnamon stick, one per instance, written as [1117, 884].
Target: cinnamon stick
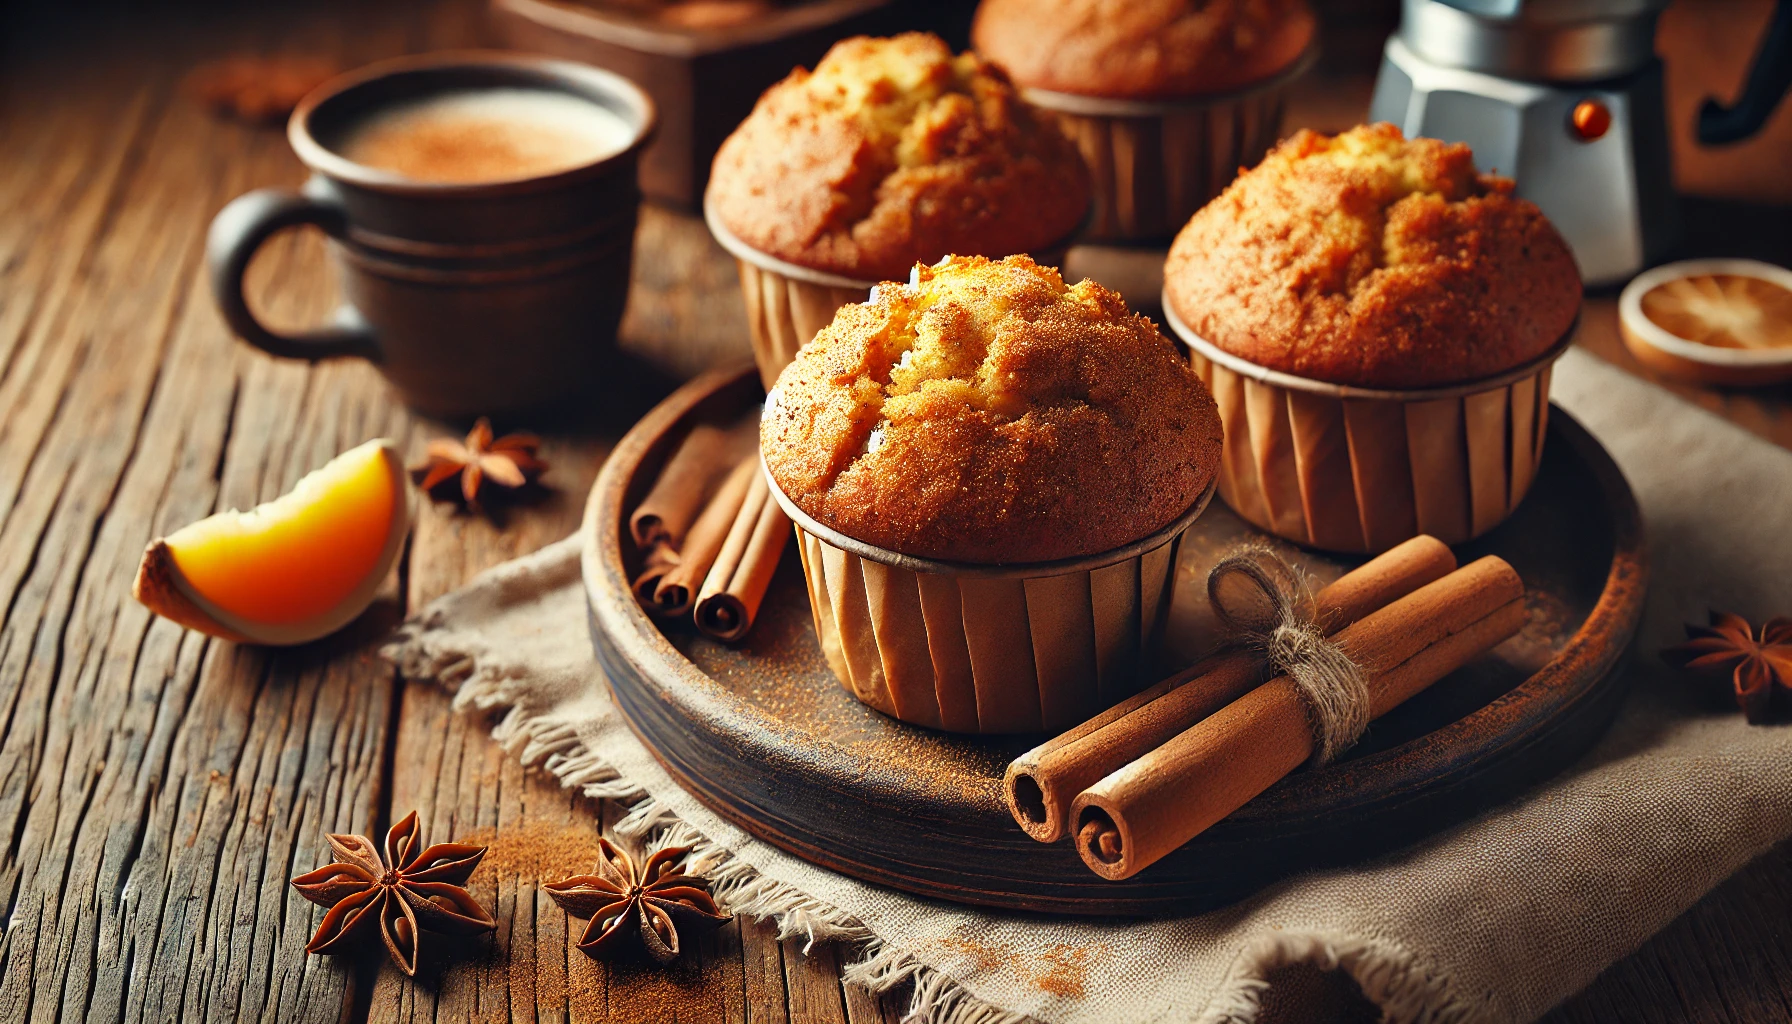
[1040, 784]
[677, 589]
[736, 584]
[659, 560]
[1128, 820]
[690, 478]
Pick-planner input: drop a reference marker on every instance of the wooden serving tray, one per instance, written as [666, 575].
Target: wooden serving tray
[765, 735]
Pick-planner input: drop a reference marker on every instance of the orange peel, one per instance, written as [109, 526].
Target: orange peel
[293, 569]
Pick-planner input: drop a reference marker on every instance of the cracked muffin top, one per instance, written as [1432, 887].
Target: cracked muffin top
[1142, 49]
[892, 152]
[1374, 260]
[986, 412]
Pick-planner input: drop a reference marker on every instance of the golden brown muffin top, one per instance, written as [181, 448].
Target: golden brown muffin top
[1142, 49]
[892, 152]
[1374, 260]
[985, 412]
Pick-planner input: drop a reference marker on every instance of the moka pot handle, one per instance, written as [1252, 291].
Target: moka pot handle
[1768, 79]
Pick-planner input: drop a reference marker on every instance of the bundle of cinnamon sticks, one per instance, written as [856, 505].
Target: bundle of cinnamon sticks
[1153, 772]
[710, 535]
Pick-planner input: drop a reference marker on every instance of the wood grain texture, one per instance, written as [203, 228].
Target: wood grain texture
[157, 789]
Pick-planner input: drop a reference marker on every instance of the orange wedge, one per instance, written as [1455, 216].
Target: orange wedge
[297, 568]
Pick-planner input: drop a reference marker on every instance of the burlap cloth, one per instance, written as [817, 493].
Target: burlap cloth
[1496, 920]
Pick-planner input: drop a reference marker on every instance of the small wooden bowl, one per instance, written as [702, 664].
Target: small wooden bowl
[1674, 356]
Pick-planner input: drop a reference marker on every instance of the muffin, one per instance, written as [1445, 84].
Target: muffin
[1142, 49]
[1166, 98]
[1386, 271]
[1374, 260]
[990, 471]
[892, 152]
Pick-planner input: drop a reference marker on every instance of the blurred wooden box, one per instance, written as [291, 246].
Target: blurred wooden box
[703, 80]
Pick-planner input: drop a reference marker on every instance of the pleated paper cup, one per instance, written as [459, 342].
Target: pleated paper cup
[1360, 470]
[787, 305]
[1031, 647]
[1154, 163]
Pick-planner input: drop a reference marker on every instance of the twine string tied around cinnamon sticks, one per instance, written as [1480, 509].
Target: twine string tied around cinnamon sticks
[1268, 604]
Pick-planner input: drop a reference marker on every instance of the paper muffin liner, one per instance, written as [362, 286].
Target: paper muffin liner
[1359, 470]
[988, 648]
[788, 305]
[1153, 164]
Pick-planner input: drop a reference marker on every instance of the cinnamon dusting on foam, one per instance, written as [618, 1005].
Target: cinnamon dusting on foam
[483, 135]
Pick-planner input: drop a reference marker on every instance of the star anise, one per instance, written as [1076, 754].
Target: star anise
[510, 461]
[1761, 659]
[409, 891]
[645, 909]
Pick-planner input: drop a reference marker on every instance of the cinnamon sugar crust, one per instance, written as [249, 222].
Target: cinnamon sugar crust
[895, 151]
[1374, 260]
[1142, 49]
[986, 412]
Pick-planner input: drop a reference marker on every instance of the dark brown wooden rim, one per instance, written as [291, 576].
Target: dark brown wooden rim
[547, 72]
[1575, 689]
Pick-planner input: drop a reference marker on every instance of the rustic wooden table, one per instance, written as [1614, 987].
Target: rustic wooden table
[157, 789]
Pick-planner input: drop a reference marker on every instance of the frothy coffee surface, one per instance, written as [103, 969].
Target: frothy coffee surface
[479, 135]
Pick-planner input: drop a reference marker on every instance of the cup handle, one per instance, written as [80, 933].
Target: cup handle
[237, 231]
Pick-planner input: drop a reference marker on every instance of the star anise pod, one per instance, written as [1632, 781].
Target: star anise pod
[645, 909]
[510, 461]
[409, 891]
[1761, 660]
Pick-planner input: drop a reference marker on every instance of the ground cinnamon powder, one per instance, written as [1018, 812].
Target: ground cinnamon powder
[540, 851]
[1062, 971]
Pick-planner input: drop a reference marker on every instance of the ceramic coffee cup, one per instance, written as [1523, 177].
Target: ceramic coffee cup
[472, 296]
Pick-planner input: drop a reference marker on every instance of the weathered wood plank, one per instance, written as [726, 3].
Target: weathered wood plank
[812, 979]
[55, 190]
[862, 1007]
[762, 965]
[159, 789]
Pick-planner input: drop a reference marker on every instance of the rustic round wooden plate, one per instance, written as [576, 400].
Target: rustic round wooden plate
[765, 735]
